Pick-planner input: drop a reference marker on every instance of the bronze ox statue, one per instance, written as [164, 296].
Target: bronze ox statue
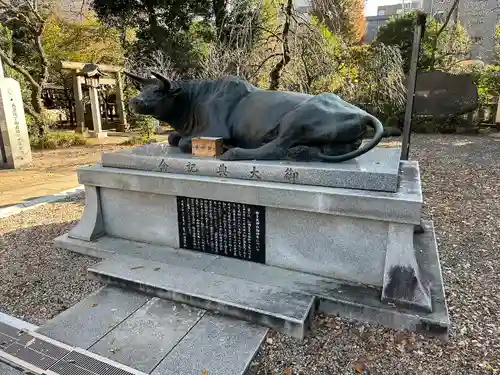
[257, 124]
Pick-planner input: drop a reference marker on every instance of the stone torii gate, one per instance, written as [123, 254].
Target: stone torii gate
[78, 79]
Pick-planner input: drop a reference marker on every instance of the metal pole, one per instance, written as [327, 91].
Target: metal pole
[412, 81]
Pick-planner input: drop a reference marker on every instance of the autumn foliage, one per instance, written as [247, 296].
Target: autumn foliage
[342, 17]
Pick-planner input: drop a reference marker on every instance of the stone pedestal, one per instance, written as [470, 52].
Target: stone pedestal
[15, 149]
[349, 223]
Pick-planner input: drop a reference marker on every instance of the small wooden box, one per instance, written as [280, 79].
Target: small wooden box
[207, 146]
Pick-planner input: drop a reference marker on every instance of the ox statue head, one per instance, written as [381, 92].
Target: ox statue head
[157, 98]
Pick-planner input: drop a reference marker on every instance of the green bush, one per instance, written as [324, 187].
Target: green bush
[488, 83]
[138, 140]
[53, 140]
[145, 125]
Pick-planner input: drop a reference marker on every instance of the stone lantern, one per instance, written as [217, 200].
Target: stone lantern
[92, 74]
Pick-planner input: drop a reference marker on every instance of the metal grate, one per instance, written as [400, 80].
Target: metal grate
[30, 356]
[5, 341]
[49, 356]
[93, 365]
[43, 347]
[10, 331]
[65, 368]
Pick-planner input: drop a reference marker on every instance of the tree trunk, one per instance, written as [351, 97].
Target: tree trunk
[219, 9]
[275, 75]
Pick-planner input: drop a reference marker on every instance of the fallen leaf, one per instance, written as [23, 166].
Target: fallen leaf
[360, 367]
[136, 267]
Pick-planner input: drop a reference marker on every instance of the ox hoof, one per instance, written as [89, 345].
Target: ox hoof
[174, 139]
[231, 154]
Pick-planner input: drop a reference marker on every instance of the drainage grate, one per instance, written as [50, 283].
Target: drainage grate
[5, 341]
[65, 368]
[10, 331]
[43, 347]
[25, 350]
[30, 356]
[93, 365]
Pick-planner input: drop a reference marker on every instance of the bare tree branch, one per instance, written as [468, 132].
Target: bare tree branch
[6, 58]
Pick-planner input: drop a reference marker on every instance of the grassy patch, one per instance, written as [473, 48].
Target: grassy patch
[53, 140]
[138, 140]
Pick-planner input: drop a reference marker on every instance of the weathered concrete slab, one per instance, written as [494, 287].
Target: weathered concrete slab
[90, 319]
[404, 206]
[283, 310]
[220, 345]
[7, 370]
[336, 297]
[148, 335]
[106, 246]
[376, 170]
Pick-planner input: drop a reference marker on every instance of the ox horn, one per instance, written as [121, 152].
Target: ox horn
[163, 79]
[138, 79]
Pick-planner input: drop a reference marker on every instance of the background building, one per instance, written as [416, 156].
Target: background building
[479, 18]
[373, 23]
[404, 6]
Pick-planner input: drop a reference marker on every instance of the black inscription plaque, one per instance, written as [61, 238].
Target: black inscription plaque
[229, 229]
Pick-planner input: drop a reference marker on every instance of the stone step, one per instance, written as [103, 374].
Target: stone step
[154, 336]
[286, 311]
[358, 302]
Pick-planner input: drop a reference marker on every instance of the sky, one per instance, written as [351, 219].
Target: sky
[371, 6]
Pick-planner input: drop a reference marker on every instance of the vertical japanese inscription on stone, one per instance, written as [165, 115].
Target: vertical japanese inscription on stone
[229, 229]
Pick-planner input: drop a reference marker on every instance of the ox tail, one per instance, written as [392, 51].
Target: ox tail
[377, 137]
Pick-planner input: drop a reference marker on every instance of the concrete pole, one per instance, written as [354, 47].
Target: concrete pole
[96, 113]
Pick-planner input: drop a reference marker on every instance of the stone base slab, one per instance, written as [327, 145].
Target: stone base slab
[353, 301]
[156, 336]
[377, 170]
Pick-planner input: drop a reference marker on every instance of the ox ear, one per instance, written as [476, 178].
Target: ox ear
[140, 80]
[164, 80]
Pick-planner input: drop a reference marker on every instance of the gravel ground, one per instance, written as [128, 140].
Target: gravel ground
[38, 281]
[461, 181]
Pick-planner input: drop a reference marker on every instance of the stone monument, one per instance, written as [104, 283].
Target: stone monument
[268, 241]
[15, 149]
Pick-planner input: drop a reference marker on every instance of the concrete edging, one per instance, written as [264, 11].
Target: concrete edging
[17, 323]
[40, 201]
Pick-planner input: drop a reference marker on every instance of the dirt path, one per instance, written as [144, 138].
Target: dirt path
[51, 171]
